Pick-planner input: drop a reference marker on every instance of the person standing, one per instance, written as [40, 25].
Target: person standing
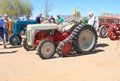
[10, 28]
[2, 32]
[27, 17]
[59, 19]
[39, 18]
[93, 20]
[51, 20]
[0, 36]
[6, 26]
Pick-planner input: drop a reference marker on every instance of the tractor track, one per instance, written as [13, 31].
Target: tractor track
[71, 39]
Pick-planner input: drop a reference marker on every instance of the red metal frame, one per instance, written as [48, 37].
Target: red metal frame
[112, 26]
[113, 35]
[53, 35]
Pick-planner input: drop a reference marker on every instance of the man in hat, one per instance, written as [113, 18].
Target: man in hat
[93, 20]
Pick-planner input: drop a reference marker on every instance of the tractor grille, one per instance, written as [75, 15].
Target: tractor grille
[28, 37]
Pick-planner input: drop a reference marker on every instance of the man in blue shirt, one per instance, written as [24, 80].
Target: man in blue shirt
[39, 18]
[2, 31]
[59, 19]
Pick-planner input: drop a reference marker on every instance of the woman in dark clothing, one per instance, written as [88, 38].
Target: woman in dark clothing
[51, 20]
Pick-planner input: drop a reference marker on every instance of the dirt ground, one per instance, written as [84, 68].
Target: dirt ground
[17, 64]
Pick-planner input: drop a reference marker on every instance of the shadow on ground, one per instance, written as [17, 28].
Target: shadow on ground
[102, 45]
[76, 55]
[17, 46]
[11, 52]
[81, 54]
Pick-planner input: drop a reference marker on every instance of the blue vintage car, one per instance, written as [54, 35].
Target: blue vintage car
[19, 27]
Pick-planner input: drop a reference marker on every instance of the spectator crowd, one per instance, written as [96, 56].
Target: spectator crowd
[4, 24]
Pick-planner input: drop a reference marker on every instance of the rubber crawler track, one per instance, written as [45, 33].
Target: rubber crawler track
[72, 39]
[75, 29]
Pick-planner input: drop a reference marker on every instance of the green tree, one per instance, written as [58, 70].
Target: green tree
[15, 8]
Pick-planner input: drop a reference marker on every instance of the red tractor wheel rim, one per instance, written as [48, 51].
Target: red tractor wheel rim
[66, 49]
[113, 35]
[84, 39]
[47, 49]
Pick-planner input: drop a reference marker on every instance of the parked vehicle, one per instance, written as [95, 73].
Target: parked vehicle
[65, 39]
[19, 27]
[114, 32]
[105, 23]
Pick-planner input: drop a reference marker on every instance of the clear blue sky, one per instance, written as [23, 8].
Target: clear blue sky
[65, 7]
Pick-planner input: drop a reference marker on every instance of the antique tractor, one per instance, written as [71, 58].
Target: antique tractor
[65, 39]
[114, 32]
[19, 27]
[109, 27]
[104, 25]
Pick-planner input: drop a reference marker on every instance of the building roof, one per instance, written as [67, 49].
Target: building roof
[109, 16]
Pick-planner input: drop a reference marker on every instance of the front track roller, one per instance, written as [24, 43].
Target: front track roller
[64, 49]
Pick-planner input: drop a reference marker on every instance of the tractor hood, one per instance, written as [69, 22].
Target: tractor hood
[34, 28]
[41, 27]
